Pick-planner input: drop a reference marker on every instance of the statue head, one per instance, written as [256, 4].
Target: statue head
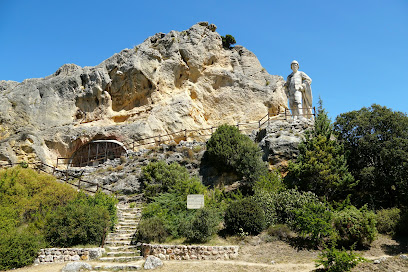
[294, 66]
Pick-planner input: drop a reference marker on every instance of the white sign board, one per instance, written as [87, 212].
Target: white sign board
[195, 201]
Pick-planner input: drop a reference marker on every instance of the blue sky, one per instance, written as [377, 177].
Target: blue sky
[355, 51]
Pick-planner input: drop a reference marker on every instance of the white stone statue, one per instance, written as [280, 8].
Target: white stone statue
[299, 92]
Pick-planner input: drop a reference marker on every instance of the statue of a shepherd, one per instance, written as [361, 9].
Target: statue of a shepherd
[299, 92]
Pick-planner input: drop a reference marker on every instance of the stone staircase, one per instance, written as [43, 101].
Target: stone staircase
[120, 253]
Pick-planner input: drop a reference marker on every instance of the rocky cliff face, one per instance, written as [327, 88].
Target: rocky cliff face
[170, 82]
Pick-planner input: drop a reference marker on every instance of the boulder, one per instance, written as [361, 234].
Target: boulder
[152, 262]
[76, 267]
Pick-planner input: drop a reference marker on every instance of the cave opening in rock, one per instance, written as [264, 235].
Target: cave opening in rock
[97, 152]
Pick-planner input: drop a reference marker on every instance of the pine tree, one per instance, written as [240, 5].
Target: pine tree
[321, 166]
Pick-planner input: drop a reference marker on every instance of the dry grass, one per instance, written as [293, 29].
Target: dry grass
[41, 268]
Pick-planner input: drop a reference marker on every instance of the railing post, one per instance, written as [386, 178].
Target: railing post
[185, 134]
[79, 184]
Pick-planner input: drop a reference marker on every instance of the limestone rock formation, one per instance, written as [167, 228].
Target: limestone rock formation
[280, 139]
[170, 82]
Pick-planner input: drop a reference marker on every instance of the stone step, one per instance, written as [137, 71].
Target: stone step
[119, 239]
[125, 235]
[117, 243]
[123, 253]
[116, 267]
[121, 248]
[128, 217]
[120, 259]
[130, 210]
[123, 231]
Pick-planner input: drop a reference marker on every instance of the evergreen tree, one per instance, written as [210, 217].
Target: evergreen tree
[377, 141]
[321, 166]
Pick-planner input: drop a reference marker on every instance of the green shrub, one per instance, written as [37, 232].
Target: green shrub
[355, 226]
[269, 183]
[267, 202]
[32, 194]
[314, 222]
[244, 214]
[230, 150]
[159, 177]
[279, 207]
[280, 231]
[77, 223]
[19, 248]
[227, 41]
[202, 226]
[387, 220]
[151, 229]
[108, 202]
[334, 260]
[172, 210]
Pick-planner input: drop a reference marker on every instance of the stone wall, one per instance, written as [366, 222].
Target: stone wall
[59, 255]
[181, 252]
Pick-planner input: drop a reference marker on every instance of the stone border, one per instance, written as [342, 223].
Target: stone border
[181, 252]
[60, 255]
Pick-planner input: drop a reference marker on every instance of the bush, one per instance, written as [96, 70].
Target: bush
[230, 150]
[355, 226]
[172, 211]
[108, 202]
[227, 41]
[269, 183]
[244, 214]
[18, 248]
[280, 231]
[159, 177]
[387, 220]
[77, 223]
[202, 226]
[279, 207]
[334, 260]
[151, 229]
[314, 222]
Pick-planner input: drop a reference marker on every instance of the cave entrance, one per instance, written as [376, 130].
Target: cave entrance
[97, 152]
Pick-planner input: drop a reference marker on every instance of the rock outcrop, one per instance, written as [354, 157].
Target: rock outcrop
[170, 82]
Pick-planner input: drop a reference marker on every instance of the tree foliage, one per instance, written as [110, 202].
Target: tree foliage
[84, 220]
[228, 149]
[376, 139]
[321, 166]
[244, 215]
[160, 177]
[227, 41]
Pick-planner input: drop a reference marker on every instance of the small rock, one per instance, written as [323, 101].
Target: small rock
[272, 262]
[377, 261]
[76, 267]
[152, 262]
[404, 257]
